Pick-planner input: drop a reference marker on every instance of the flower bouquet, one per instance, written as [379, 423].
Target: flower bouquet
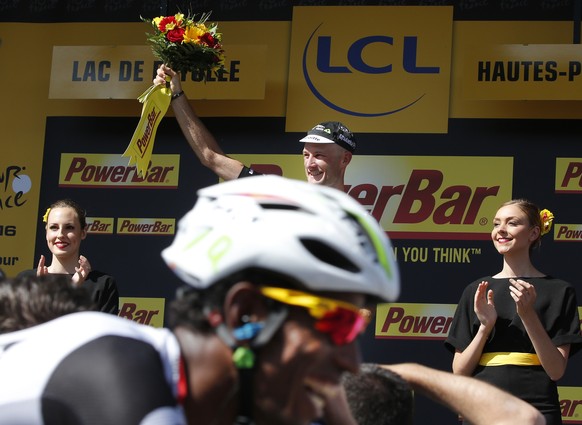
[186, 44]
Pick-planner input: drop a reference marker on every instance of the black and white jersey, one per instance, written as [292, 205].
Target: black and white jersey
[90, 368]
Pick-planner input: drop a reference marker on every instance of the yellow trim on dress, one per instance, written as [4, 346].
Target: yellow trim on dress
[506, 358]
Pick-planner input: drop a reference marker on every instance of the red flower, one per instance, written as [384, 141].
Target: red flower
[208, 39]
[176, 35]
[168, 21]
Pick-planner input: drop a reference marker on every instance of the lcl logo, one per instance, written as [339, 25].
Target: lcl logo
[354, 56]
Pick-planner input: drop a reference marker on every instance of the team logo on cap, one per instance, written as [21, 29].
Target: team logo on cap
[331, 132]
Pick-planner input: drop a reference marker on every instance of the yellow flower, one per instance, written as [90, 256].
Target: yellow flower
[547, 219]
[220, 62]
[179, 18]
[45, 216]
[156, 21]
[193, 33]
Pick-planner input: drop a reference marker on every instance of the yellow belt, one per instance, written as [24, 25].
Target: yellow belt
[518, 359]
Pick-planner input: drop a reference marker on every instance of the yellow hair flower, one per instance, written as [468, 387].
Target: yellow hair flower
[45, 216]
[547, 218]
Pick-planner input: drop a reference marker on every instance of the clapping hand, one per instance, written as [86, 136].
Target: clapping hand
[484, 305]
[82, 271]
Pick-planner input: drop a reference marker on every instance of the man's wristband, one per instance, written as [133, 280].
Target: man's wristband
[177, 95]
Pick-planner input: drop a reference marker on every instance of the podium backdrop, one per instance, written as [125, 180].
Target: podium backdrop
[456, 107]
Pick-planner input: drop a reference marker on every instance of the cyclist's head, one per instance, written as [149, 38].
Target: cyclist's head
[280, 269]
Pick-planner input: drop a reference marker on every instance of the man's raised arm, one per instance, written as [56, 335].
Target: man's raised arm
[199, 138]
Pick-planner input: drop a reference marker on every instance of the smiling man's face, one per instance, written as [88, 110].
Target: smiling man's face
[325, 164]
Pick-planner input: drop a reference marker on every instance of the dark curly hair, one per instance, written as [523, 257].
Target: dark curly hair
[190, 307]
[31, 300]
[378, 396]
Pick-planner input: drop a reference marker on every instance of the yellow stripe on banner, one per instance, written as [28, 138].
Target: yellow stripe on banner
[517, 359]
[156, 101]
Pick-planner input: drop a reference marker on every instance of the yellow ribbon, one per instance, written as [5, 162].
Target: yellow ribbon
[503, 358]
[156, 101]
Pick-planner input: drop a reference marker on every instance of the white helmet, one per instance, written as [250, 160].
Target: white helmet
[316, 235]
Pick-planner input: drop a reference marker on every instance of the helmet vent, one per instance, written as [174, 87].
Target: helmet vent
[276, 206]
[328, 255]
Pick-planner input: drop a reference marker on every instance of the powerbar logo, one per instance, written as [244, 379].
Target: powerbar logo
[570, 402]
[100, 225]
[431, 198]
[146, 226]
[108, 170]
[568, 232]
[147, 311]
[568, 175]
[418, 199]
[414, 321]
[144, 141]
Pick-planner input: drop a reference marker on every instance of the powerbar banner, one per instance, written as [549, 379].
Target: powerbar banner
[418, 197]
[376, 69]
[414, 321]
[147, 311]
[570, 403]
[523, 72]
[100, 225]
[87, 170]
[568, 175]
[568, 232]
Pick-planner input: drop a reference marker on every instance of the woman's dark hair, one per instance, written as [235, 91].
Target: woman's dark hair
[69, 203]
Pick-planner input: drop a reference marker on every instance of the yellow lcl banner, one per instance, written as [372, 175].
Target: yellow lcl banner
[374, 68]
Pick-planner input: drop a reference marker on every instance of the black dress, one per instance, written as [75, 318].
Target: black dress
[557, 308]
[101, 286]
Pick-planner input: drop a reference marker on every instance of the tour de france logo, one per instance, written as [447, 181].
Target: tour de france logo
[357, 64]
[14, 185]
